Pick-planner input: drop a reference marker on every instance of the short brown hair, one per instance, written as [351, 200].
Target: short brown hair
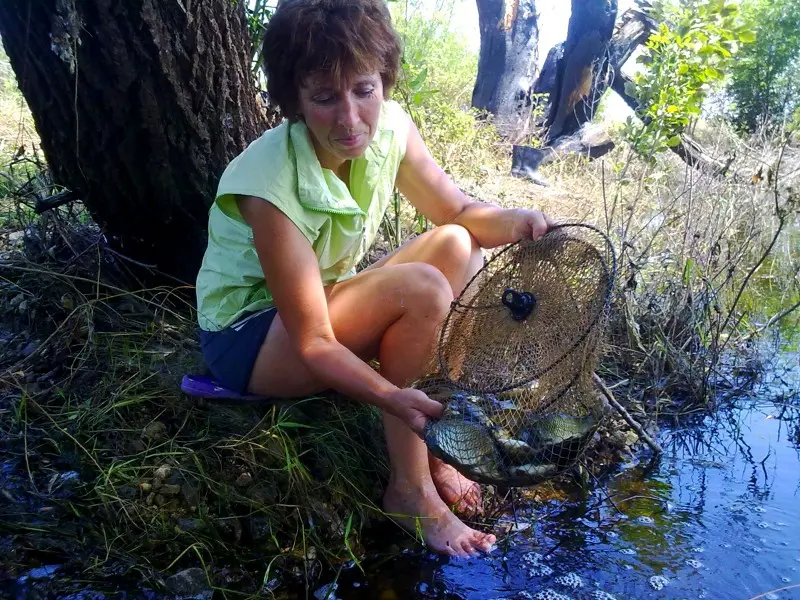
[333, 36]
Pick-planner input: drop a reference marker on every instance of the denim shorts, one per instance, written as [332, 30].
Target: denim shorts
[231, 353]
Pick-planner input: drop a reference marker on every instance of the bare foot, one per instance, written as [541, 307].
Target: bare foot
[442, 531]
[455, 489]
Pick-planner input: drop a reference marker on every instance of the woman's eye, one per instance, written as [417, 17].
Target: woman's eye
[323, 98]
[366, 92]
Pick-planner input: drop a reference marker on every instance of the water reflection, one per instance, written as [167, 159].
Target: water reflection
[716, 517]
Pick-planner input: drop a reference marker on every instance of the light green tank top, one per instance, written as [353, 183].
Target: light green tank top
[340, 223]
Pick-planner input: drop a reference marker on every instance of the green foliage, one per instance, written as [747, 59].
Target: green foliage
[438, 74]
[764, 85]
[684, 60]
[429, 43]
[258, 13]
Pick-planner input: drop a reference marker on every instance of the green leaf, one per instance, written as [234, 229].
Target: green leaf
[687, 271]
[675, 140]
[416, 83]
[747, 36]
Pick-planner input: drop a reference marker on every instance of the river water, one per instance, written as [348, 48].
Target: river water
[715, 517]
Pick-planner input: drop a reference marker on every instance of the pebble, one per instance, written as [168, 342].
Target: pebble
[601, 595]
[657, 582]
[190, 583]
[327, 592]
[696, 564]
[645, 520]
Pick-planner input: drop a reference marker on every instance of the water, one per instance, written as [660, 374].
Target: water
[717, 517]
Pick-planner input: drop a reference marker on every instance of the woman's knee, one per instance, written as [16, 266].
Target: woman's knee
[456, 241]
[426, 289]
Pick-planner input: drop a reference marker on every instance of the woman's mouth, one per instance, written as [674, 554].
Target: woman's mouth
[350, 140]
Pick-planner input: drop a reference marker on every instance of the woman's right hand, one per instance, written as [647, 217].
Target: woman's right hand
[414, 408]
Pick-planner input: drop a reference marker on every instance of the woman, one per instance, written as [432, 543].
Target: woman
[282, 311]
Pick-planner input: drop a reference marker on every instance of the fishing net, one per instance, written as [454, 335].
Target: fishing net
[516, 357]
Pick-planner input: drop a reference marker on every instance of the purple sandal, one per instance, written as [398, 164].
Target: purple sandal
[202, 386]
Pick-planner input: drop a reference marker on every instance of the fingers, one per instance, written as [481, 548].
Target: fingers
[538, 223]
[432, 408]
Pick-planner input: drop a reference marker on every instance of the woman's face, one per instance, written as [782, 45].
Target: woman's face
[341, 116]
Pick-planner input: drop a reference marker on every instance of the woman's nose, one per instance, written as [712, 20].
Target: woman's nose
[347, 115]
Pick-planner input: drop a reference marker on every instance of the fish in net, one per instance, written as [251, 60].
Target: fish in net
[516, 356]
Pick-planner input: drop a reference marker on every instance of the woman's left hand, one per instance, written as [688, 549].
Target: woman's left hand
[529, 224]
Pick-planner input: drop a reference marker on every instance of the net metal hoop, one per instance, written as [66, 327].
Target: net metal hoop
[610, 274]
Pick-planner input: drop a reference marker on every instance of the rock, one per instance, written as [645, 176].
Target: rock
[631, 438]
[163, 472]
[170, 490]
[155, 431]
[17, 300]
[190, 583]
[189, 524]
[244, 479]
[29, 348]
[327, 592]
[145, 487]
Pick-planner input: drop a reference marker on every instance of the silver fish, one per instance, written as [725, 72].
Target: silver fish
[467, 446]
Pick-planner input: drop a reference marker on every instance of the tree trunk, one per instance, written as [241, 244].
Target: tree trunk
[139, 106]
[580, 68]
[575, 74]
[507, 62]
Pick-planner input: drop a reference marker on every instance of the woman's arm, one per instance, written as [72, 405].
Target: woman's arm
[434, 194]
[292, 273]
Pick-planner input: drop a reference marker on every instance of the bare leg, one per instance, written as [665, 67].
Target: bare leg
[392, 311]
[456, 254]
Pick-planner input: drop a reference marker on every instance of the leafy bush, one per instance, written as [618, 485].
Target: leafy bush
[683, 61]
[764, 79]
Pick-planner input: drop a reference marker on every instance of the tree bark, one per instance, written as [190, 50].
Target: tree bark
[507, 62]
[139, 106]
[581, 68]
[575, 74]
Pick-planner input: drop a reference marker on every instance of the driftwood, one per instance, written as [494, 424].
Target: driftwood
[643, 435]
[526, 160]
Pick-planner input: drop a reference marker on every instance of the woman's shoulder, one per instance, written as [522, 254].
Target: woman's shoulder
[269, 150]
[266, 160]
[394, 125]
[393, 116]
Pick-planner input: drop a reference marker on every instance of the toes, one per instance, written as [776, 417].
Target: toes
[484, 541]
[457, 550]
[468, 548]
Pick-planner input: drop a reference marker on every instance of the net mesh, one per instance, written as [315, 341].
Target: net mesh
[516, 357]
